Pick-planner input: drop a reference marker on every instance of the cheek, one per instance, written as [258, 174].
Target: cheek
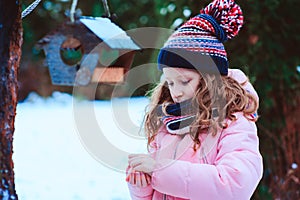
[191, 90]
[172, 93]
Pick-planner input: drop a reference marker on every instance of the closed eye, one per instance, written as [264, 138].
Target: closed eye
[170, 83]
[186, 82]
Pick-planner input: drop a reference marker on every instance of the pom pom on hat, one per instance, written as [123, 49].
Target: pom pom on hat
[198, 43]
[228, 15]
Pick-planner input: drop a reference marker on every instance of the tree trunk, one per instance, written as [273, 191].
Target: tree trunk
[10, 53]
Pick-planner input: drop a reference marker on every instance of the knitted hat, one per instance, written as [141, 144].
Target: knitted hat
[198, 43]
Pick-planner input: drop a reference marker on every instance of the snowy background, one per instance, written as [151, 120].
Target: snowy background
[50, 159]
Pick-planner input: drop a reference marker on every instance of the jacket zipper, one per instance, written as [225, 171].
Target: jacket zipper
[204, 157]
[174, 157]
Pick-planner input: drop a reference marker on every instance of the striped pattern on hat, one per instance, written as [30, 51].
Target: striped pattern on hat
[198, 43]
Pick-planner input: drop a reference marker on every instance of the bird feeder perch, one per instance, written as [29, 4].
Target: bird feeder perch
[90, 50]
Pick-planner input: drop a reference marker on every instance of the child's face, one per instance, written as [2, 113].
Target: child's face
[182, 83]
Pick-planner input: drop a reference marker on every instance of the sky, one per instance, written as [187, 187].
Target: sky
[63, 152]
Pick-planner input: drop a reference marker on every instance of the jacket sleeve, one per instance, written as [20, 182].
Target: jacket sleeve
[144, 193]
[234, 175]
[138, 193]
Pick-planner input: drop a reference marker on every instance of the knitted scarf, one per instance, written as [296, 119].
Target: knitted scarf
[177, 117]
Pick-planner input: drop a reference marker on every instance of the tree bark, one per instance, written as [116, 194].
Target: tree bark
[10, 53]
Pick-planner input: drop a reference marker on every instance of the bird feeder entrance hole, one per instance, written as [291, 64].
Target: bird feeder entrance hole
[71, 51]
[78, 54]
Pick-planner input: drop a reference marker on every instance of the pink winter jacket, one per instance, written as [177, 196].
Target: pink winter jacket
[227, 166]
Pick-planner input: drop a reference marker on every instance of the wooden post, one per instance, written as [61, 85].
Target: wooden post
[10, 53]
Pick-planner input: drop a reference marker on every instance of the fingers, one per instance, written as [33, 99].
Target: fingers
[137, 155]
[135, 162]
[132, 178]
[139, 167]
[148, 178]
[142, 163]
[138, 179]
[128, 173]
[144, 182]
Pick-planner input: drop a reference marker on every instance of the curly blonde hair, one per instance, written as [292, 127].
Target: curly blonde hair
[222, 95]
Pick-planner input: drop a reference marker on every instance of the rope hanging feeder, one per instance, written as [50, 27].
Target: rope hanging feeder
[30, 8]
[106, 8]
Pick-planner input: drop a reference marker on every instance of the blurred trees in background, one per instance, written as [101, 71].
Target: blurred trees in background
[266, 49]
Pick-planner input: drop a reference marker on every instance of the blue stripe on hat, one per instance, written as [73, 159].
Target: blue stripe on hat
[181, 58]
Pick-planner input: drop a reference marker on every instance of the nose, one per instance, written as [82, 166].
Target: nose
[177, 94]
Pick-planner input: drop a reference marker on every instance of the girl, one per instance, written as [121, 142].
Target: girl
[202, 137]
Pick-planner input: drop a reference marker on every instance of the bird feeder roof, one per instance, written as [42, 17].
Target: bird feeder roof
[109, 32]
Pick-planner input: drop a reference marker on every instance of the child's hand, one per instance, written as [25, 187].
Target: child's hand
[138, 179]
[142, 162]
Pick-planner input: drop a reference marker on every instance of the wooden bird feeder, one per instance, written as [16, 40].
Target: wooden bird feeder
[90, 50]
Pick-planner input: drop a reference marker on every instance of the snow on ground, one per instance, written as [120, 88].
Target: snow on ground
[51, 161]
